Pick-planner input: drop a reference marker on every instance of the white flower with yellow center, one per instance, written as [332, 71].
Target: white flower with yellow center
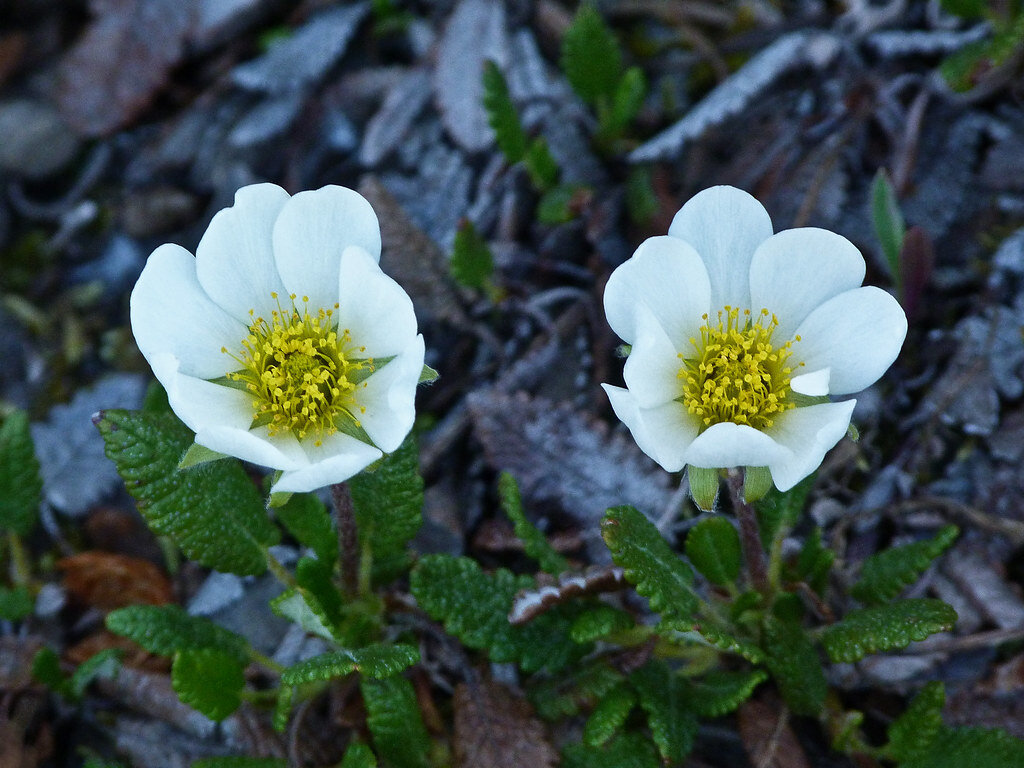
[739, 336]
[282, 342]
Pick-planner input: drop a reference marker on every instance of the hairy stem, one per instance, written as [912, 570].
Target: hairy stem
[750, 535]
[348, 536]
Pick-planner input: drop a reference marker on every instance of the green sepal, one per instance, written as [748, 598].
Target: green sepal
[609, 715]
[794, 663]
[168, 629]
[306, 518]
[757, 481]
[704, 482]
[428, 375]
[720, 692]
[394, 721]
[199, 454]
[713, 547]
[886, 628]
[15, 603]
[372, 661]
[885, 574]
[209, 681]
[662, 696]
[534, 542]
[911, 734]
[21, 486]
[591, 59]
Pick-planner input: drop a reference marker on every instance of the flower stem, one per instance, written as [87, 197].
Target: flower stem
[348, 536]
[750, 535]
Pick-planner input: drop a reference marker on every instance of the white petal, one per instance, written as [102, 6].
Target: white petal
[813, 383]
[201, 404]
[808, 433]
[858, 334]
[725, 225]
[668, 277]
[372, 306]
[282, 451]
[726, 445]
[338, 459]
[664, 433]
[389, 397]
[797, 270]
[312, 231]
[235, 258]
[652, 368]
[170, 313]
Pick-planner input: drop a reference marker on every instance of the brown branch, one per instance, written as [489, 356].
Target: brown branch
[348, 536]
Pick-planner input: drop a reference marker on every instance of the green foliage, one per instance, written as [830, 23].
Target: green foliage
[565, 694]
[649, 562]
[793, 662]
[641, 200]
[541, 166]
[888, 222]
[626, 101]
[374, 661]
[713, 547]
[777, 512]
[389, 508]
[726, 642]
[474, 607]
[302, 606]
[629, 750]
[815, 562]
[609, 715]
[46, 669]
[241, 762]
[719, 692]
[502, 115]
[672, 722]
[394, 721]
[886, 627]
[316, 578]
[306, 518]
[885, 574]
[15, 603]
[591, 58]
[534, 543]
[21, 487]
[212, 511]
[209, 681]
[964, 68]
[168, 629]
[560, 204]
[358, 755]
[472, 263]
[912, 732]
[966, 9]
[599, 621]
[976, 747]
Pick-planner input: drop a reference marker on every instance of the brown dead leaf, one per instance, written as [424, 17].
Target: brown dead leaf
[16, 661]
[109, 581]
[134, 656]
[767, 737]
[495, 728]
[116, 68]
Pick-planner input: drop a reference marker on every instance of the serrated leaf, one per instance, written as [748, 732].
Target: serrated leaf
[21, 486]
[394, 721]
[300, 606]
[315, 578]
[564, 695]
[389, 507]
[657, 572]
[719, 692]
[474, 607]
[374, 661]
[502, 115]
[534, 543]
[599, 621]
[627, 100]
[886, 628]
[713, 547]
[213, 511]
[976, 747]
[591, 59]
[815, 562]
[472, 263]
[15, 603]
[283, 707]
[912, 733]
[888, 222]
[541, 165]
[885, 574]
[104, 664]
[663, 697]
[628, 750]
[358, 755]
[306, 518]
[793, 662]
[167, 629]
[609, 715]
[241, 762]
[779, 511]
[209, 681]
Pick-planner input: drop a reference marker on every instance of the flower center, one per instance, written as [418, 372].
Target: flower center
[736, 374]
[302, 372]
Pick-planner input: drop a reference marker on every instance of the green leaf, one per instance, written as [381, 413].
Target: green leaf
[912, 733]
[301, 606]
[209, 681]
[886, 627]
[104, 664]
[793, 661]
[534, 543]
[609, 715]
[965, 9]
[315, 578]
[502, 115]
[46, 670]
[885, 574]
[591, 58]
[719, 692]
[976, 747]
[564, 695]
[389, 507]
[658, 573]
[474, 607]
[374, 661]
[472, 263]
[213, 511]
[815, 562]
[777, 512]
[21, 487]
[959, 68]
[394, 721]
[15, 603]
[641, 199]
[629, 750]
[283, 707]
[627, 100]
[888, 222]
[358, 755]
[672, 722]
[241, 762]
[713, 547]
[560, 204]
[598, 622]
[541, 165]
[167, 629]
[306, 518]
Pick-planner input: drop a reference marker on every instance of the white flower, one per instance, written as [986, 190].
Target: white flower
[738, 335]
[281, 342]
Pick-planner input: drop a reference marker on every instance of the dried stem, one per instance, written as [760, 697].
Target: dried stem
[750, 535]
[348, 536]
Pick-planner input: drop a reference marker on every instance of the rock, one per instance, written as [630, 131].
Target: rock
[36, 141]
[154, 211]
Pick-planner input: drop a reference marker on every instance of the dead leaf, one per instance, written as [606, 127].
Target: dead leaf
[109, 581]
[495, 728]
[134, 655]
[16, 661]
[121, 62]
[767, 737]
